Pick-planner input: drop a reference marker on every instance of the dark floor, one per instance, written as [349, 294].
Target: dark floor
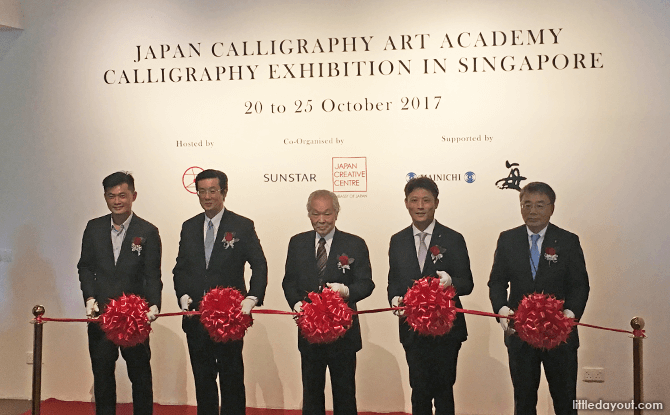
[14, 406]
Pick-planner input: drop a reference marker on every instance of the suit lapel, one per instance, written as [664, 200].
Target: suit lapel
[125, 244]
[200, 240]
[410, 252]
[223, 226]
[523, 255]
[227, 224]
[337, 248]
[429, 267]
[106, 237]
[310, 251]
[549, 241]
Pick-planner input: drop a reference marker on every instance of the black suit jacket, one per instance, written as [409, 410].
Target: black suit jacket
[404, 270]
[226, 265]
[566, 279]
[134, 273]
[301, 278]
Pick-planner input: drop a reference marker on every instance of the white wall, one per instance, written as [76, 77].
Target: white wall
[598, 136]
[10, 15]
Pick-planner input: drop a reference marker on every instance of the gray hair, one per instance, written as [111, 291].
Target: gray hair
[323, 193]
[539, 187]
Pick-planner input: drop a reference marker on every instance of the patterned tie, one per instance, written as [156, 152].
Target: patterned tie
[534, 254]
[423, 250]
[321, 258]
[209, 241]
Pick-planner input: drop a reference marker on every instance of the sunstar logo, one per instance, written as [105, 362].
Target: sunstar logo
[289, 177]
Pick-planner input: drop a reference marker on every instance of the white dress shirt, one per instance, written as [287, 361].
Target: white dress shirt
[119, 235]
[216, 221]
[329, 241]
[417, 238]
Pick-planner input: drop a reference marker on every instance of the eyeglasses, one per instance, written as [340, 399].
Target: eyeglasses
[112, 196]
[538, 206]
[205, 192]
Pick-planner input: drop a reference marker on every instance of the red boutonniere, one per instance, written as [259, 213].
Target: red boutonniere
[229, 240]
[344, 262]
[136, 245]
[550, 255]
[436, 252]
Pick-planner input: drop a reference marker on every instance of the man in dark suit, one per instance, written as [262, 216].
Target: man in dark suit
[120, 253]
[328, 257]
[213, 250]
[539, 257]
[431, 359]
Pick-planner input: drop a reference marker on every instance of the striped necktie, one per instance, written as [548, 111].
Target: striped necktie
[321, 258]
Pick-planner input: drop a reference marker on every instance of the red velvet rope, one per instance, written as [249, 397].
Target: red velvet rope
[40, 319]
[636, 333]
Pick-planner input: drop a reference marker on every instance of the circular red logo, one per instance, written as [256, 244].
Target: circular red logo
[188, 179]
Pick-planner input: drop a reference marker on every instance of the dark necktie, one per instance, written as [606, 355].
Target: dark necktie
[321, 258]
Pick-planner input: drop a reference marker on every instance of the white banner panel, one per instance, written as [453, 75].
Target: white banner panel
[354, 97]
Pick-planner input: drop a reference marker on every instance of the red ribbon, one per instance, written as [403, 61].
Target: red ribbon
[429, 308]
[125, 320]
[326, 318]
[540, 322]
[323, 331]
[221, 314]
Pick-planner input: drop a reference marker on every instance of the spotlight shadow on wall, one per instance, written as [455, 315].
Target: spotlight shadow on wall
[378, 376]
[8, 37]
[30, 280]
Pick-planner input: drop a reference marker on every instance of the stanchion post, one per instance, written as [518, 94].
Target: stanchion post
[38, 311]
[637, 323]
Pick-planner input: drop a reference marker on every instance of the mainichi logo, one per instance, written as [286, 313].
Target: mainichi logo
[440, 177]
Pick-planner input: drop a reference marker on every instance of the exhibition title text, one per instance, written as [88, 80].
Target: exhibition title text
[501, 51]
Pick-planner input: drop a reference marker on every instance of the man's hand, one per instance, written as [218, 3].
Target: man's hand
[92, 309]
[504, 322]
[568, 313]
[339, 288]
[297, 307]
[445, 279]
[248, 304]
[185, 301]
[397, 302]
[151, 314]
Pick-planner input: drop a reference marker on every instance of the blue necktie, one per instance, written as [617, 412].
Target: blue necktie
[209, 242]
[534, 254]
